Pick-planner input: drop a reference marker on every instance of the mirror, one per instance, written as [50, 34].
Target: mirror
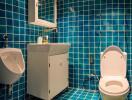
[46, 10]
[43, 13]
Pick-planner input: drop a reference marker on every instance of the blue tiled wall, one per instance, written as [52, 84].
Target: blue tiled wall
[90, 26]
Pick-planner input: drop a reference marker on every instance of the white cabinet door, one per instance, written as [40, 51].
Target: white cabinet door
[58, 74]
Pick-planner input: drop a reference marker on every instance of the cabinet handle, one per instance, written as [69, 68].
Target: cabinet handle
[36, 4]
[61, 64]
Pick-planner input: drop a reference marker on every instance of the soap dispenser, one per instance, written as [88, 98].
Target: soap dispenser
[45, 39]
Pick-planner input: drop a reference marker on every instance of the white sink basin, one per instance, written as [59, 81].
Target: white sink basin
[50, 48]
[11, 65]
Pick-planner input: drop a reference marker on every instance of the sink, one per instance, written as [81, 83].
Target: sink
[50, 48]
[11, 65]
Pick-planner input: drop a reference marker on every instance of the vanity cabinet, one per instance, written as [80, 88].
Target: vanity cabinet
[58, 73]
[47, 73]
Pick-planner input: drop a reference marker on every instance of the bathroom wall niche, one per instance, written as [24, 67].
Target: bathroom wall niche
[43, 13]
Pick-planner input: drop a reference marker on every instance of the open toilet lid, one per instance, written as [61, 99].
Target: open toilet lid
[113, 62]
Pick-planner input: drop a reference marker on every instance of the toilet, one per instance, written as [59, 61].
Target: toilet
[113, 84]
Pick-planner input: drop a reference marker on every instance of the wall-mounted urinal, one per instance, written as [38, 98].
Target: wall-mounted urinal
[11, 65]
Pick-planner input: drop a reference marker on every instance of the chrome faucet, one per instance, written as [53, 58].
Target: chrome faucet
[5, 38]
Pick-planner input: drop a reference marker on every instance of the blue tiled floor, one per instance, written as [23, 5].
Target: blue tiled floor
[80, 94]
[130, 96]
[77, 94]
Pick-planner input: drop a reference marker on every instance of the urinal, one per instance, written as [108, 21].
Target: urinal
[11, 65]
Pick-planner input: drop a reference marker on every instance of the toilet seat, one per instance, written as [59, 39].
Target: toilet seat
[113, 62]
[114, 85]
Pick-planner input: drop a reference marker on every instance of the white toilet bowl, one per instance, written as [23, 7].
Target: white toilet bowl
[113, 84]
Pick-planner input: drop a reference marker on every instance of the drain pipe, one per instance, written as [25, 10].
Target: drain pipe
[9, 89]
